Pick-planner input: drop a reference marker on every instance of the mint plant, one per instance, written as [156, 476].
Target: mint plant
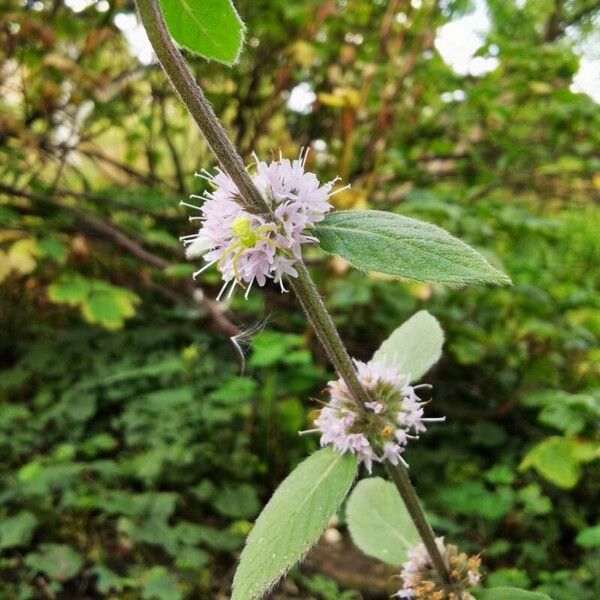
[253, 229]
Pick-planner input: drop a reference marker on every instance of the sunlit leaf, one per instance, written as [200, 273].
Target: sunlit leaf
[211, 28]
[559, 459]
[69, 289]
[109, 308]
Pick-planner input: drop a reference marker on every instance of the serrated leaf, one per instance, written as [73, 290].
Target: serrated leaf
[414, 347]
[69, 289]
[58, 561]
[293, 520]
[17, 530]
[211, 28]
[379, 522]
[109, 306]
[507, 593]
[384, 242]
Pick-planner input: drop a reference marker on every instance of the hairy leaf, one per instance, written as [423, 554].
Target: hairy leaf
[373, 240]
[414, 347]
[293, 520]
[211, 28]
[379, 522]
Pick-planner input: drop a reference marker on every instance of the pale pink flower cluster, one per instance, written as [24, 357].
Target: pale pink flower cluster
[246, 247]
[421, 581]
[382, 432]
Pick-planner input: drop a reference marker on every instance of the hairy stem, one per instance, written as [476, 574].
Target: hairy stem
[316, 312]
[193, 98]
[198, 106]
[399, 475]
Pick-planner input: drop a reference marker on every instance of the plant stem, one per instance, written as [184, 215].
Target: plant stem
[195, 101]
[399, 475]
[319, 317]
[231, 162]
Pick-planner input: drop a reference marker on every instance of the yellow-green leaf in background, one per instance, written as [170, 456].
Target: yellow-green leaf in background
[100, 303]
[20, 259]
[69, 289]
[559, 459]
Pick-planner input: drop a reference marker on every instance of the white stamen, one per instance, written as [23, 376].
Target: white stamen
[231, 290]
[305, 150]
[222, 290]
[339, 190]
[182, 203]
[207, 266]
[308, 431]
[248, 289]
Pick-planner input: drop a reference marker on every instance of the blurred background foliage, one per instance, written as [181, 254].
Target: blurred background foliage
[134, 451]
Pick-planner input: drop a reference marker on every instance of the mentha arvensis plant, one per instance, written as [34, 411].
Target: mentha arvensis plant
[253, 225]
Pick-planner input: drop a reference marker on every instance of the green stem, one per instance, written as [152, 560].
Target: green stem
[195, 101]
[319, 317]
[231, 162]
[399, 475]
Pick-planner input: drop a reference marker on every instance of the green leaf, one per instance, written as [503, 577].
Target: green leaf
[385, 242]
[179, 270]
[17, 530]
[70, 289]
[507, 593]
[293, 520]
[211, 28]
[109, 307]
[590, 537]
[159, 584]
[473, 498]
[558, 459]
[379, 522]
[237, 501]
[58, 561]
[414, 347]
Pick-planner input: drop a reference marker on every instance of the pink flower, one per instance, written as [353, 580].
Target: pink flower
[392, 417]
[246, 247]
